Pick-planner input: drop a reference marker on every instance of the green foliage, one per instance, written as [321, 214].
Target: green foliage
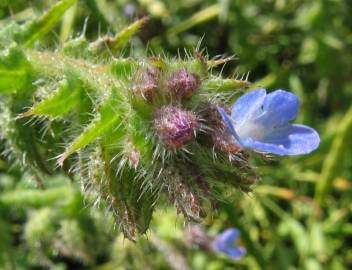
[14, 70]
[57, 226]
[70, 102]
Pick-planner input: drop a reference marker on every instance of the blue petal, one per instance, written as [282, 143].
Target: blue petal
[228, 237]
[264, 147]
[286, 141]
[227, 120]
[226, 240]
[235, 252]
[225, 243]
[248, 106]
[279, 107]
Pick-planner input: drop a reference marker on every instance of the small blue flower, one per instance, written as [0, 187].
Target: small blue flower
[225, 243]
[261, 122]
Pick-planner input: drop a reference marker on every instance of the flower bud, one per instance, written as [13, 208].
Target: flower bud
[224, 142]
[132, 154]
[197, 237]
[175, 127]
[146, 83]
[183, 84]
[220, 137]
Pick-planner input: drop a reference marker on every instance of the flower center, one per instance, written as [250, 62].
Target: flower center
[251, 130]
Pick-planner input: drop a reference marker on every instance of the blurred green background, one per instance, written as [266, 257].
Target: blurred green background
[299, 215]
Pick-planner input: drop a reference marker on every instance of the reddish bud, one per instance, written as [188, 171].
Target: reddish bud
[224, 142]
[196, 236]
[183, 84]
[221, 138]
[175, 127]
[146, 83]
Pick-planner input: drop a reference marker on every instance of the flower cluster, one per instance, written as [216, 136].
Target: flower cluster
[139, 129]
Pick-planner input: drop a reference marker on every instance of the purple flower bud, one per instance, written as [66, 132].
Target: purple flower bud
[183, 84]
[175, 127]
[146, 83]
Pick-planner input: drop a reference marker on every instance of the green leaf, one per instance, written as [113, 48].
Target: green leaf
[309, 51]
[298, 234]
[115, 44]
[123, 68]
[35, 198]
[67, 23]
[39, 27]
[317, 240]
[224, 85]
[200, 17]
[109, 117]
[139, 203]
[145, 203]
[14, 70]
[77, 47]
[63, 100]
[7, 34]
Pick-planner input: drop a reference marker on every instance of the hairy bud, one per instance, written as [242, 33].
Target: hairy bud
[186, 198]
[175, 127]
[196, 236]
[146, 83]
[183, 84]
[132, 155]
[224, 142]
[220, 137]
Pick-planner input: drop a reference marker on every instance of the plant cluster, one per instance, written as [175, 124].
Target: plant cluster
[132, 129]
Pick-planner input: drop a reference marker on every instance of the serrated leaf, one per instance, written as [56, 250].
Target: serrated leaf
[108, 118]
[62, 101]
[21, 140]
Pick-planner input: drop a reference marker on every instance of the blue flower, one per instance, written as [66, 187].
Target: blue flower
[225, 243]
[261, 122]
